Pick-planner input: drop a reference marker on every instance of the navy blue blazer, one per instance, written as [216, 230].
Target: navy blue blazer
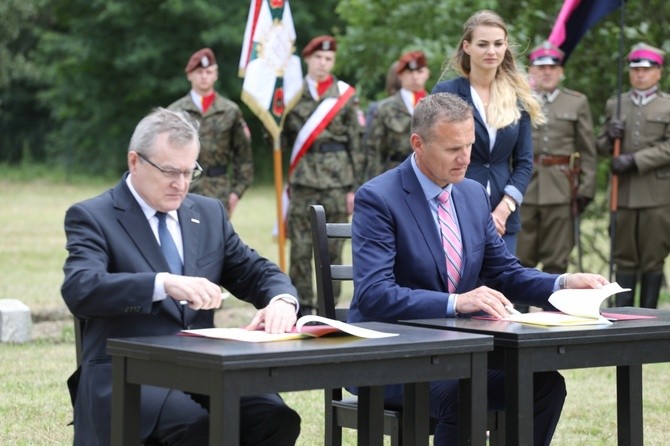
[398, 262]
[510, 161]
[109, 279]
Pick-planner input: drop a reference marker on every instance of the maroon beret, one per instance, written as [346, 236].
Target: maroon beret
[412, 60]
[201, 58]
[321, 43]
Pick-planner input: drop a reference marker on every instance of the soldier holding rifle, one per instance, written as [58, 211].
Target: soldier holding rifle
[564, 171]
[642, 232]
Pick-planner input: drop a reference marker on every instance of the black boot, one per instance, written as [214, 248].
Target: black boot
[649, 289]
[626, 280]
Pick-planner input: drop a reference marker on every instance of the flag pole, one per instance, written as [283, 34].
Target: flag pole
[616, 151]
[279, 186]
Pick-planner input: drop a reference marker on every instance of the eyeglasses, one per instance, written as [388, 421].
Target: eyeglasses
[174, 174]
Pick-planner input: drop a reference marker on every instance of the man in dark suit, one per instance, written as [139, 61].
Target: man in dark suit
[400, 265]
[119, 281]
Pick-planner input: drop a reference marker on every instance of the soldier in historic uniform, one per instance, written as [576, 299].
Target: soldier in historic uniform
[388, 142]
[225, 153]
[322, 133]
[564, 168]
[642, 234]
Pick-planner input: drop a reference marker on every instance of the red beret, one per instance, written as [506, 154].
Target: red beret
[412, 60]
[546, 54]
[321, 43]
[201, 58]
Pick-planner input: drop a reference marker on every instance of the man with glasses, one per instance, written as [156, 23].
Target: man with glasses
[226, 154]
[148, 258]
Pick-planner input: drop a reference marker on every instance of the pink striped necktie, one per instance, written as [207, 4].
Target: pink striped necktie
[451, 240]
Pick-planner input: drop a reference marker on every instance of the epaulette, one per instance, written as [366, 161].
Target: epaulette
[573, 93]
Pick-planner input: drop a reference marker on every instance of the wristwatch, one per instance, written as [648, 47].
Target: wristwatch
[510, 204]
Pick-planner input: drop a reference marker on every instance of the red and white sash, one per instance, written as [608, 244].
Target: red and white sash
[318, 121]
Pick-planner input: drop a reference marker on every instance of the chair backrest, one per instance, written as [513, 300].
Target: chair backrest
[326, 272]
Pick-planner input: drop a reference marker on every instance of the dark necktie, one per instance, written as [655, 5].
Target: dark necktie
[168, 246]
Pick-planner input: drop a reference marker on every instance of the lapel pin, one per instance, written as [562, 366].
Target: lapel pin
[195, 220]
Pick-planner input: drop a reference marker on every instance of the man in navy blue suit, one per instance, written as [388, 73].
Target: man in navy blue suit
[120, 283]
[400, 267]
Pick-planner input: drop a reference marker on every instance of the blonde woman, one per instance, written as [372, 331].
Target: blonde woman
[504, 109]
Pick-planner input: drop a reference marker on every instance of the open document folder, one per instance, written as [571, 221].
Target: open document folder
[302, 330]
[576, 306]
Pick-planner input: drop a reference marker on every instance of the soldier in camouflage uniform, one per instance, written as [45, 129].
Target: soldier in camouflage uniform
[564, 172]
[642, 236]
[388, 144]
[328, 170]
[225, 153]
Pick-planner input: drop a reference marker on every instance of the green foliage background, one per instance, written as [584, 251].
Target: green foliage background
[76, 75]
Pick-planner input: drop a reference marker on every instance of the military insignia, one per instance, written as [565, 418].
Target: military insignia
[325, 46]
[204, 61]
[412, 65]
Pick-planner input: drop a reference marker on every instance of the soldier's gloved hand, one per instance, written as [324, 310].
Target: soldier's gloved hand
[623, 163]
[582, 202]
[615, 129]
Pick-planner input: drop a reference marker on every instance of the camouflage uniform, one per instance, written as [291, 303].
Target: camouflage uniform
[547, 223]
[388, 142]
[331, 167]
[225, 153]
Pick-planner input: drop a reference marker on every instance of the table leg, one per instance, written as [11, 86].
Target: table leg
[629, 405]
[224, 415]
[473, 403]
[415, 414]
[518, 399]
[125, 406]
[371, 416]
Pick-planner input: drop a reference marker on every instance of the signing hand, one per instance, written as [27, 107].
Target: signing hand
[483, 299]
[200, 293]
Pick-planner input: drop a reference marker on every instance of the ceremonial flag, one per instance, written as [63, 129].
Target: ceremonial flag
[272, 71]
[575, 18]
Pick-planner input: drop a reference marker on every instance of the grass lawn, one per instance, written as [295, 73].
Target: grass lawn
[34, 403]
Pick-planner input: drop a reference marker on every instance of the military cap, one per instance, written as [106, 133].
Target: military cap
[412, 60]
[202, 58]
[643, 55]
[546, 54]
[320, 43]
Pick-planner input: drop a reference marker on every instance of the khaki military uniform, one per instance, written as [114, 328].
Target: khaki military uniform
[388, 143]
[642, 236]
[547, 219]
[225, 148]
[331, 167]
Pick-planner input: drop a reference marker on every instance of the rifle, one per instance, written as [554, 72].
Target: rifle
[574, 169]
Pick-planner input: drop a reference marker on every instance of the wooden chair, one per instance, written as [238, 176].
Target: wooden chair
[341, 412]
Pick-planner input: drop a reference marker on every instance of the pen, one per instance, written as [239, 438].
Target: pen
[511, 309]
[183, 304]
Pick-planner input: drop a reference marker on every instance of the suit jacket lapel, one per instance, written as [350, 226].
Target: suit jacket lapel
[134, 222]
[416, 201]
[190, 221]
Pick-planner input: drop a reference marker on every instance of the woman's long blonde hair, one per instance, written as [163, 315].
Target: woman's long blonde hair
[510, 86]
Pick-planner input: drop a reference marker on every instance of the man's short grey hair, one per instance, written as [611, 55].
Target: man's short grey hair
[436, 108]
[182, 130]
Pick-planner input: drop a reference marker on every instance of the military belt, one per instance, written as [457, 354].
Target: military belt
[551, 160]
[216, 171]
[329, 146]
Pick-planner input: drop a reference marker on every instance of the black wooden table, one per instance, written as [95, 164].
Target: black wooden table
[520, 350]
[228, 370]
